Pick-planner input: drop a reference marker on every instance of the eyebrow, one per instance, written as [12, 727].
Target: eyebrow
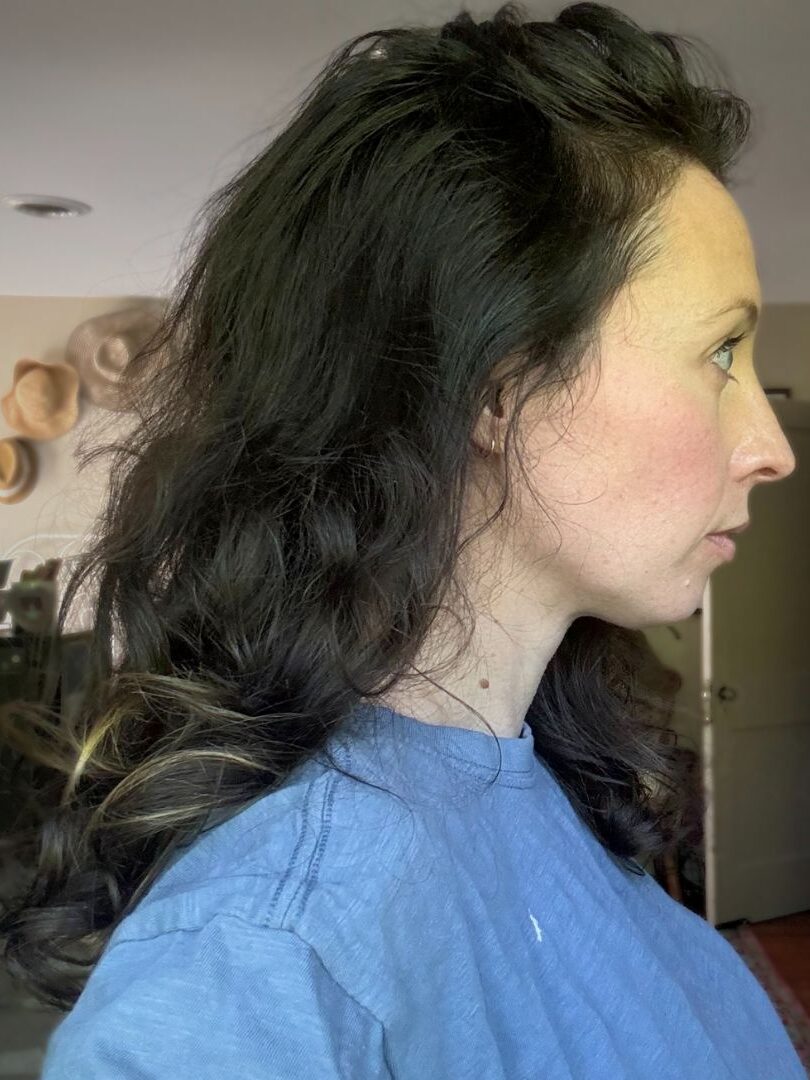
[745, 304]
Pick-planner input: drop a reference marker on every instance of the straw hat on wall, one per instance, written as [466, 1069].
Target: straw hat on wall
[43, 402]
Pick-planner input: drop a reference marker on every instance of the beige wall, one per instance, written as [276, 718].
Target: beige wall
[782, 352]
[54, 518]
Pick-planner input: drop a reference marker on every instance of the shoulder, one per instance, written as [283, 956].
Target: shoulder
[322, 839]
[246, 941]
[190, 1002]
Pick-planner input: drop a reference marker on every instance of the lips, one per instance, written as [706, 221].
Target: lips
[724, 543]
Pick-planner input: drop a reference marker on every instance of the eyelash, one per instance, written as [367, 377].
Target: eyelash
[729, 345]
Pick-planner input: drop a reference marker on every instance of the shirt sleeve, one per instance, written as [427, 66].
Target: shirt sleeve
[230, 998]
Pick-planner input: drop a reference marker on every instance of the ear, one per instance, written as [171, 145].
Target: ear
[496, 406]
[486, 428]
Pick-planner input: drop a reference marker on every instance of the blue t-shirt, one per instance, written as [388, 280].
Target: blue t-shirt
[467, 930]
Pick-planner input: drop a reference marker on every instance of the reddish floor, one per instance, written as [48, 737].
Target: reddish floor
[787, 943]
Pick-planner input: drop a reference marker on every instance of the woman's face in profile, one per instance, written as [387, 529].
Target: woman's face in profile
[660, 448]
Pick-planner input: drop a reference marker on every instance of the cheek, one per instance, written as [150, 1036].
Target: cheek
[673, 468]
[635, 474]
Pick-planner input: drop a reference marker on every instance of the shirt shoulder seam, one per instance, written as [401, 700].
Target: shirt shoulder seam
[262, 925]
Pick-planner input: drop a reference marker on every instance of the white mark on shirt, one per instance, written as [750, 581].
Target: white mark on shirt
[537, 929]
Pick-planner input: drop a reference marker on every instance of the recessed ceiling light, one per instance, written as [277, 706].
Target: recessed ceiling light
[45, 205]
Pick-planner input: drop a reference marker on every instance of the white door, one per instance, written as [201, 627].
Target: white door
[755, 677]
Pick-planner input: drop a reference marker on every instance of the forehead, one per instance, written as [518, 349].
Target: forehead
[705, 261]
[706, 246]
[704, 228]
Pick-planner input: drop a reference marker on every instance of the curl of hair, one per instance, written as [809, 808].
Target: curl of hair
[283, 522]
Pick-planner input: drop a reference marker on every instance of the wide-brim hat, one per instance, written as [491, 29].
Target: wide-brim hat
[102, 348]
[43, 402]
[18, 470]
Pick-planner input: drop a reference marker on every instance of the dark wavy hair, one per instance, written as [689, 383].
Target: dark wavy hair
[283, 522]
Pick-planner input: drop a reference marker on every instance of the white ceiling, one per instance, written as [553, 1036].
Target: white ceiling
[142, 108]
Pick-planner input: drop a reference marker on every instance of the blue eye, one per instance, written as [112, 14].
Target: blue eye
[728, 346]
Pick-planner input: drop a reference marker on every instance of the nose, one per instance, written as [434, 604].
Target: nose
[776, 460]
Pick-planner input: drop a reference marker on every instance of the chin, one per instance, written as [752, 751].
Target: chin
[657, 612]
